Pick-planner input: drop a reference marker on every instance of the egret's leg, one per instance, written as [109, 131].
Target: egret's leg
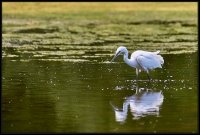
[148, 75]
[137, 73]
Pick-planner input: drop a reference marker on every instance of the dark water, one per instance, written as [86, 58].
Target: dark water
[59, 96]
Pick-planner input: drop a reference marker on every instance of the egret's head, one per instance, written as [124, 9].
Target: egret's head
[120, 50]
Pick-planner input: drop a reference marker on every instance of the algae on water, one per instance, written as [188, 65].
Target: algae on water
[85, 33]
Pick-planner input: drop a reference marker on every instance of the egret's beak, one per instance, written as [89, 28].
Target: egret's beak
[115, 56]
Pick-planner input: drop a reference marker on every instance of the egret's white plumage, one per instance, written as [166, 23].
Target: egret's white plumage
[141, 60]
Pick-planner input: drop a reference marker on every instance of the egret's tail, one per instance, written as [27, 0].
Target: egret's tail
[159, 57]
[157, 52]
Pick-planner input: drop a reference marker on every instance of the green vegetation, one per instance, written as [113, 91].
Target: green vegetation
[86, 29]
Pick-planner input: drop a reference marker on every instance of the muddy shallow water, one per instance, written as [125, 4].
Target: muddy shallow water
[57, 75]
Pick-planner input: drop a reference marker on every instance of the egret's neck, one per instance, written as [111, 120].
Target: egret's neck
[126, 59]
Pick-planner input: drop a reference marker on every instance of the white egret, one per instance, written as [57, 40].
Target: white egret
[141, 60]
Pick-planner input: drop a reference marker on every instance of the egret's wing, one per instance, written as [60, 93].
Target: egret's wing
[140, 52]
[149, 60]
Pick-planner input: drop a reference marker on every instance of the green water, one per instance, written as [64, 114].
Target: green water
[57, 96]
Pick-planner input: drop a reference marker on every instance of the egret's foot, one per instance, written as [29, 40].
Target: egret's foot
[136, 79]
[151, 80]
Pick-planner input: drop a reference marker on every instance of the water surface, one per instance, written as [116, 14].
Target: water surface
[57, 96]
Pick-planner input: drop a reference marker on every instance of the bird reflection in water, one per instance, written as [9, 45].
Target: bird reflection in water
[143, 103]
